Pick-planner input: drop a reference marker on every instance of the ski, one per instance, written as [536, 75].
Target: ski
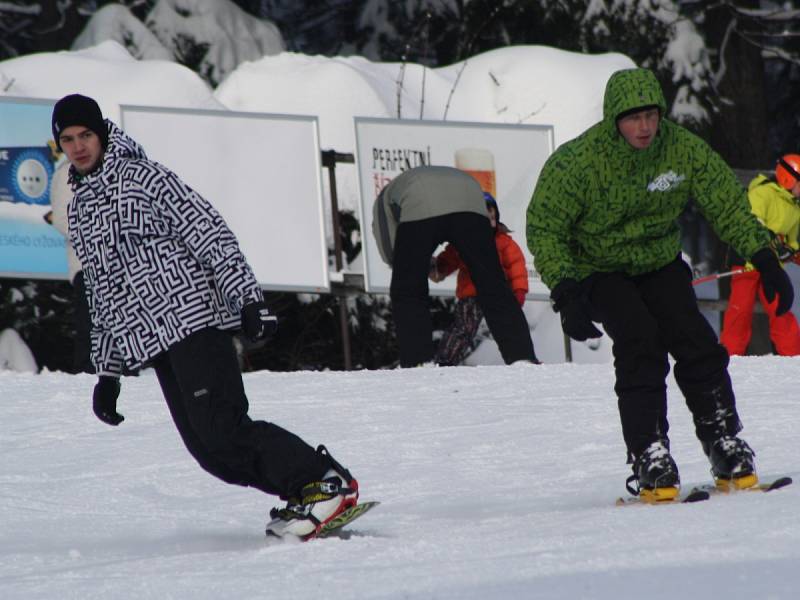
[766, 486]
[693, 495]
[704, 491]
[344, 518]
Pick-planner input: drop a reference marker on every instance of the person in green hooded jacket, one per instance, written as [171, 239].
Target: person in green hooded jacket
[602, 227]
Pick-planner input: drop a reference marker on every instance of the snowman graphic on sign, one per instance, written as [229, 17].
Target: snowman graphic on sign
[31, 174]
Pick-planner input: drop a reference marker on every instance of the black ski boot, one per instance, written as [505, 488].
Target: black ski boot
[655, 474]
[732, 463]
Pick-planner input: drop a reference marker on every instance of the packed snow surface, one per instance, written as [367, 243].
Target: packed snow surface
[495, 482]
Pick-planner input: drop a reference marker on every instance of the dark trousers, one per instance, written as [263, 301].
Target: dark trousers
[203, 388]
[473, 237]
[648, 317]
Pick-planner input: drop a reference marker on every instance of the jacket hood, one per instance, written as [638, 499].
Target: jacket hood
[758, 180]
[775, 188]
[120, 146]
[629, 89]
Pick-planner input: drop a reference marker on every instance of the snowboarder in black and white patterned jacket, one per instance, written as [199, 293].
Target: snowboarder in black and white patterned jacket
[166, 285]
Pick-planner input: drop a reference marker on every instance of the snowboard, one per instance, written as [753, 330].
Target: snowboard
[333, 526]
[344, 518]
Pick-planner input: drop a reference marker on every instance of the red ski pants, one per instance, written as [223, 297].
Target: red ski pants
[737, 325]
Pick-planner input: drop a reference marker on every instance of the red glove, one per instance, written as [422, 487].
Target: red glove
[520, 296]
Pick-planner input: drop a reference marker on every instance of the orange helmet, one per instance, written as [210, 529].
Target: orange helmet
[787, 171]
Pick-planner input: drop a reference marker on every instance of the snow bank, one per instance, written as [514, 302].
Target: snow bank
[519, 84]
[110, 75]
[15, 354]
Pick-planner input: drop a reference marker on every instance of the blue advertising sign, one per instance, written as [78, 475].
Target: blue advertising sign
[29, 246]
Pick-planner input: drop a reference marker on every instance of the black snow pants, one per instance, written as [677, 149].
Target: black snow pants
[648, 317]
[202, 385]
[473, 237]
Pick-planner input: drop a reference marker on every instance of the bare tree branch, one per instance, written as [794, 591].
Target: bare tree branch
[453, 89]
[9, 7]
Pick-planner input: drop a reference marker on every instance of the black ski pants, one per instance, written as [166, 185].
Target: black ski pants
[202, 384]
[648, 317]
[473, 237]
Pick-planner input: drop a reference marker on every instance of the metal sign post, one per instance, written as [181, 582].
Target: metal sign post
[329, 160]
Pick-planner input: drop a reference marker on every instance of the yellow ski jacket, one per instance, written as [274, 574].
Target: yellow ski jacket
[776, 208]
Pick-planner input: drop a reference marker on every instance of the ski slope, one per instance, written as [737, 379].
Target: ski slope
[495, 482]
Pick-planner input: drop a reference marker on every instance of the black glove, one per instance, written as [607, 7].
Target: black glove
[257, 323]
[774, 279]
[104, 400]
[784, 252]
[574, 308]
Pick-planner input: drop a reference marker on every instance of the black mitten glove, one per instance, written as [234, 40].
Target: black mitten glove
[783, 250]
[573, 307]
[774, 279]
[104, 400]
[257, 323]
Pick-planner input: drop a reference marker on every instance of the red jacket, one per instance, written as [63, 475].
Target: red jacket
[511, 258]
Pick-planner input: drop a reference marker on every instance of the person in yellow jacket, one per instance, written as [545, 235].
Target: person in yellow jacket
[776, 203]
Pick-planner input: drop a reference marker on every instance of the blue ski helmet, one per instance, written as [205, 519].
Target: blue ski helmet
[490, 201]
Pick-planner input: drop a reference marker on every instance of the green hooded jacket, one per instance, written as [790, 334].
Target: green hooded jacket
[601, 205]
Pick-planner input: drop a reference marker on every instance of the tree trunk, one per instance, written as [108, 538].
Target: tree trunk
[739, 129]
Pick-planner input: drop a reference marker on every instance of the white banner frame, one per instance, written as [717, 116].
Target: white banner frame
[284, 242]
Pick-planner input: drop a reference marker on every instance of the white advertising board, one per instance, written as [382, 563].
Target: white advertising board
[505, 159]
[263, 174]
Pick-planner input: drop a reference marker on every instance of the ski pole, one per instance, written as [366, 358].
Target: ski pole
[715, 276]
[790, 256]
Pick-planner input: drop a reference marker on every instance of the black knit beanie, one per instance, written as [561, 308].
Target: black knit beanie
[79, 110]
[637, 109]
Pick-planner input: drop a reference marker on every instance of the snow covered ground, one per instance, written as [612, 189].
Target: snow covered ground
[496, 482]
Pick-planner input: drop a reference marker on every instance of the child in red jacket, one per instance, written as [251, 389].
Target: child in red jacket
[458, 340]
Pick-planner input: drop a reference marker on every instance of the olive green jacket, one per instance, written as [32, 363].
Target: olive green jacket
[601, 205]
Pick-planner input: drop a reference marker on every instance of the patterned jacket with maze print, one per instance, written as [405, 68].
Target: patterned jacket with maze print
[159, 261]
